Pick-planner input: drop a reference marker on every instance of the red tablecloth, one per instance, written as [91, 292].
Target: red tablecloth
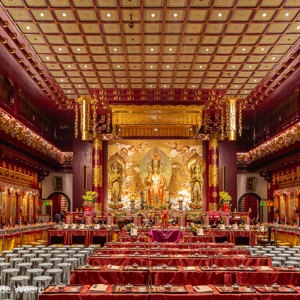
[108, 276]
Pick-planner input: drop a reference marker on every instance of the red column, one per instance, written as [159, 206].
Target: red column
[213, 172]
[97, 173]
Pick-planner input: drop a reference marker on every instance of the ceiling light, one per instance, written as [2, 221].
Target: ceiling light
[85, 66]
[264, 15]
[151, 85]
[233, 67]
[42, 14]
[69, 66]
[152, 15]
[168, 67]
[155, 129]
[118, 67]
[250, 67]
[108, 15]
[151, 67]
[298, 27]
[64, 14]
[115, 49]
[122, 85]
[287, 14]
[244, 49]
[220, 15]
[255, 80]
[69, 91]
[273, 58]
[94, 86]
[78, 49]
[235, 86]
[152, 49]
[79, 85]
[222, 85]
[170, 49]
[262, 49]
[165, 85]
[193, 86]
[59, 49]
[175, 15]
[28, 27]
[61, 80]
[206, 49]
[200, 67]
[246, 92]
[47, 57]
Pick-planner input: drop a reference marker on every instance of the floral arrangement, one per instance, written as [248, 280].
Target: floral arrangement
[224, 197]
[194, 227]
[89, 198]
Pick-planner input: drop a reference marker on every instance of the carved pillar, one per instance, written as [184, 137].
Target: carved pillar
[97, 173]
[213, 180]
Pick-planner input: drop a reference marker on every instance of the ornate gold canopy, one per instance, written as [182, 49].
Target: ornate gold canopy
[156, 120]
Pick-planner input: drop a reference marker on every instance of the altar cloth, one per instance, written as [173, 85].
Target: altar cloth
[171, 235]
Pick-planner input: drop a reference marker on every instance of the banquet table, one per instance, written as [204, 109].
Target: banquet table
[236, 260]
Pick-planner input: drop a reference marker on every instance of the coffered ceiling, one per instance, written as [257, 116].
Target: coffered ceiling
[77, 47]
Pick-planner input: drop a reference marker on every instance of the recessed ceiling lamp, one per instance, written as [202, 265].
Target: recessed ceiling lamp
[131, 24]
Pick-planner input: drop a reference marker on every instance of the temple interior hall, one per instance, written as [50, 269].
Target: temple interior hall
[149, 149]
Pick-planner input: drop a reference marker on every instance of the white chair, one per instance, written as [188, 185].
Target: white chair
[41, 281]
[16, 260]
[24, 267]
[29, 292]
[36, 261]
[34, 272]
[55, 261]
[73, 261]
[81, 259]
[45, 266]
[28, 256]
[66, 268]
[15, 282]
[6, 274]
[55, 274]
[45, 257]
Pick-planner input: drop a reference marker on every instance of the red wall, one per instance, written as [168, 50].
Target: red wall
[82, 157]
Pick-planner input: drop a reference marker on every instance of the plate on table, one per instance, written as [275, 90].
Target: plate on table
[241, 268]
[102, 255]
[159, 255]
[164, 268]
[72, 288]
[189, 268]
[207, 268]
[270, 289]
[134, 268]
[228, 289]
[265, 268]
[172, 289]
[285, 269]
[205, 289]
[128, 288]
[89, 267]
[98, 288]
[197, 256]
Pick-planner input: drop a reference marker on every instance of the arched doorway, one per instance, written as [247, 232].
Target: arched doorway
[250, 202]
[60, 203]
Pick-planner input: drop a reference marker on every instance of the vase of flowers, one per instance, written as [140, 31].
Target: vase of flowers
[88, 202]
[225, 201]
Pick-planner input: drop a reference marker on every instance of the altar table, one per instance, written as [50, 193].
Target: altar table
[170, 235]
